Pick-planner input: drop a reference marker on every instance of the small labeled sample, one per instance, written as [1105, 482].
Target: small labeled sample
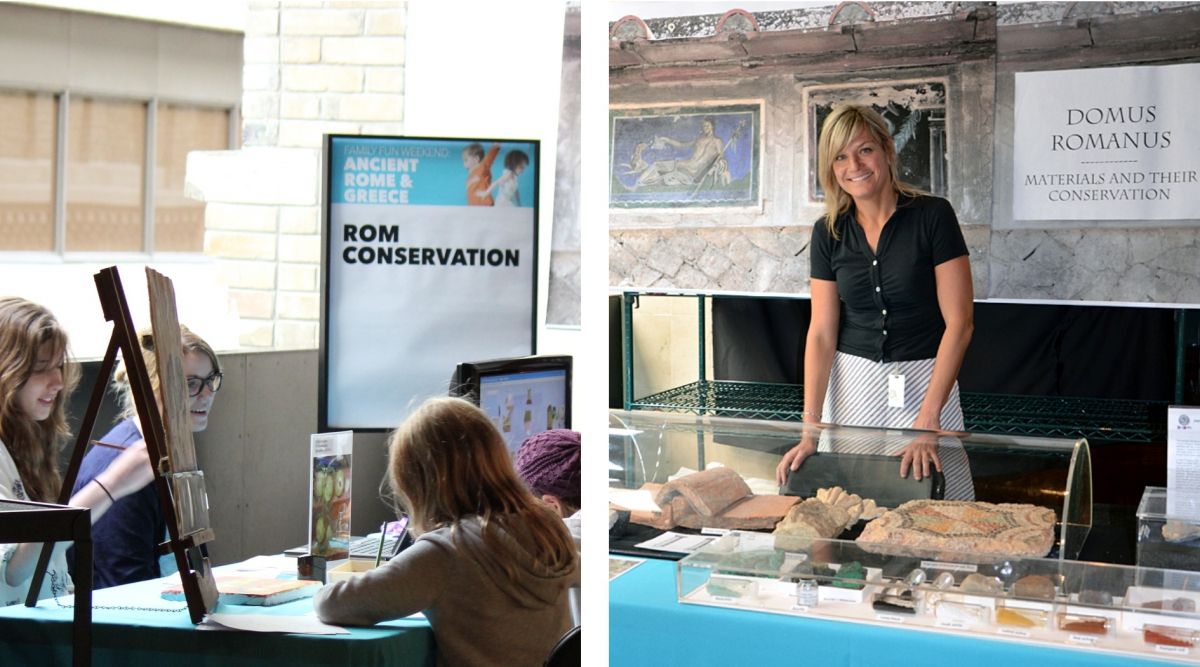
[943, 581]
[1088, 625]
[806, 593]
[895, 601]
[1034, 586]
[957, 612]
[722, 586]
[1174, 604]
[849, 575]
[1165, 635]
[1178, 531]
[978, 583]
[1021, 617]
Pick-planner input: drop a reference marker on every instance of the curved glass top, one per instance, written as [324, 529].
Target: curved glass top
[649, 447]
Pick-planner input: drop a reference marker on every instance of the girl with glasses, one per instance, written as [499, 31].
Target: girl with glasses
[127, 538]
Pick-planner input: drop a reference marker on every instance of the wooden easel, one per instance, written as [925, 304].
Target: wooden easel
[168, 435]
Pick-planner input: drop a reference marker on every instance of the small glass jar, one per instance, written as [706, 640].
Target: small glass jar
[806, 593]
[1079, 623]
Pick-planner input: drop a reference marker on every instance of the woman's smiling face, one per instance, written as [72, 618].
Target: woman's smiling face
[36, 397]
[862, 169]
[198, 365]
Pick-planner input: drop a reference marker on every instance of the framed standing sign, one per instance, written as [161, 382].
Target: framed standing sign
[430, 259]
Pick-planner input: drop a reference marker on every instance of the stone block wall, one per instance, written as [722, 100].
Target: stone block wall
[764, 249]
[311, 67]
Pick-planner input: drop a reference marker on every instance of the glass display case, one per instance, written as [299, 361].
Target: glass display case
[651, 447]
[1166, 540]
[1131, 610]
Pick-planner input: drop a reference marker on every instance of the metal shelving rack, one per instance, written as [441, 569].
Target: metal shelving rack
[1111, 420]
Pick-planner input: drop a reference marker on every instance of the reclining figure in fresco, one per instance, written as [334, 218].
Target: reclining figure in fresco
[707, 159]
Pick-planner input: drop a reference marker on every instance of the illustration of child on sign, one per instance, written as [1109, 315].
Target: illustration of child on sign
[479, 173]
[507, 194]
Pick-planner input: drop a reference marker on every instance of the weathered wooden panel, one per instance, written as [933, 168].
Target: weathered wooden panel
[1113, 55]
[894, 35]
[674, 51]
[622, 54]
[1041, 36]
[1146, 27]
[168, 349]
[810, 64]
[985, 25]
[793, 42]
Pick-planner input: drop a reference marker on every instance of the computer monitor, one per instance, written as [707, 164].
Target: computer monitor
[522, 395]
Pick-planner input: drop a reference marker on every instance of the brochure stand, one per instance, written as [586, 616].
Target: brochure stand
[168, 435]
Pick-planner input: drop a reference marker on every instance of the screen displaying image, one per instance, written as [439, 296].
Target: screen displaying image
[522, 404]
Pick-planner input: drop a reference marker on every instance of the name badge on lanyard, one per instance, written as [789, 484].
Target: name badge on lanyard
[895, 391]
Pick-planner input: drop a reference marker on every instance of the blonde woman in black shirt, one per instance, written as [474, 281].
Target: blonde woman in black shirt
[892, 301]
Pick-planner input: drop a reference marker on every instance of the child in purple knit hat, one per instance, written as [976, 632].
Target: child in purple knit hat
[549, 463]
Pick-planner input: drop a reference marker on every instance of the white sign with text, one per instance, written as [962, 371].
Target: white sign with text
[1183, 462]
[1113, 143]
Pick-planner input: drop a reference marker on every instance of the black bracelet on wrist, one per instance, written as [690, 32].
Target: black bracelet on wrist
[105, 490]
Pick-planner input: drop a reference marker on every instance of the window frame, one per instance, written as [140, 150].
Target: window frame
[59, 253]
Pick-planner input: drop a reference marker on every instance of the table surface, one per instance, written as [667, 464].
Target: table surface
[649, 626]
[133, 625]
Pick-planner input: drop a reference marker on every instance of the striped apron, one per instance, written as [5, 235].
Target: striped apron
[857, 396]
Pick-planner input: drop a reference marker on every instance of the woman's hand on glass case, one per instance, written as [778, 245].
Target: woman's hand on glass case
[795, 456]
[919, 454]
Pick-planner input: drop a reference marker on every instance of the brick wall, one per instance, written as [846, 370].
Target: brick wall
[310, 68]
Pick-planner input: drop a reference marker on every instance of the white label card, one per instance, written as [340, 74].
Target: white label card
[955, 567]
[756, 541]
[724, 598]
[889, 618]
[1013, 632]
[799, 607]
[1175, 650]
[676, 542]
[895, 391]
[714, 531]
[952, 625]
[1082, 639]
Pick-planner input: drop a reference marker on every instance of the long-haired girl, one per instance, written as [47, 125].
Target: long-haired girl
[491, 565]
[36, 377]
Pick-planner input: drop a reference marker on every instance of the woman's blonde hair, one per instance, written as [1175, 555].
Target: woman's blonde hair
[145, 336]
[25, 328]
[447, 462]
[839, 129]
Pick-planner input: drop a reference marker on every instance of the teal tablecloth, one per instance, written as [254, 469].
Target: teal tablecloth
[648, 626]
[126, 636]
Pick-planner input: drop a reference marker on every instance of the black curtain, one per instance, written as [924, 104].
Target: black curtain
[1024, 349]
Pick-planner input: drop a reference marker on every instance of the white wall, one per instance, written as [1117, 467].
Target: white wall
[68, 289]
[103, 55]
[213, 14]
[484, 70]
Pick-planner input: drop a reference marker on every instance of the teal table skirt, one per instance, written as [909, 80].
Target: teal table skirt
[649, 627]
[134, 626]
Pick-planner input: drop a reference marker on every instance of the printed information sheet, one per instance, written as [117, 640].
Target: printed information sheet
[1183, 462]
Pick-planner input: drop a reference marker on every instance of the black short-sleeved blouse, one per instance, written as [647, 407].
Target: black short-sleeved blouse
[889, 309]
